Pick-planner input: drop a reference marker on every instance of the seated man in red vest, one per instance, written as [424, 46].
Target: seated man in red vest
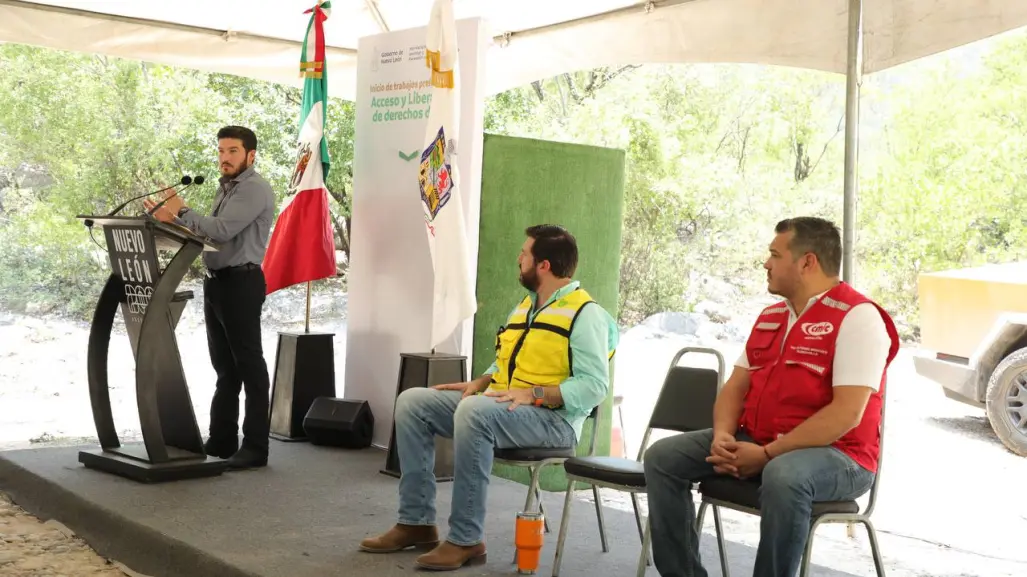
[551, 370]
[801, 411]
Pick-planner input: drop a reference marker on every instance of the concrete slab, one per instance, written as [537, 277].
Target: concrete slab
[300, 517]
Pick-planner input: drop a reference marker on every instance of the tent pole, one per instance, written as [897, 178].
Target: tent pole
[853, 79]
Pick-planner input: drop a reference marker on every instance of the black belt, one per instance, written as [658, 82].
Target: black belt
[232, 270]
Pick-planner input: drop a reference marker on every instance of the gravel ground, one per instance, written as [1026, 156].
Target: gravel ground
[31, 548]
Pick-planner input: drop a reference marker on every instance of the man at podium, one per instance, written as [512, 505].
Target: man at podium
[551, 370]
[233, 296]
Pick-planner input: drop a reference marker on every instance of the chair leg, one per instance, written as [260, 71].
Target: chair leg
[564, 522]
[720, 542]
[542, 509]
[875, 548]
[643, 557]
[807, 554]
[700, 517]
[599, 517]
[638, 516]
[531, 488]
[638, 521]
[528, 502]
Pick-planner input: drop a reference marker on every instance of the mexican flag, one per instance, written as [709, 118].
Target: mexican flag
[445, 229]
[302, 245]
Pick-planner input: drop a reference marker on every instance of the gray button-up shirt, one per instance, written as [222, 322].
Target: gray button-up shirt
[240, 222]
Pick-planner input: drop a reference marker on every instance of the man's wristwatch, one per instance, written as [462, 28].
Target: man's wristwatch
[182, 211]
[539, 396]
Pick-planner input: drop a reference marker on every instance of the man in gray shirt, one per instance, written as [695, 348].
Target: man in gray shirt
[233, 296]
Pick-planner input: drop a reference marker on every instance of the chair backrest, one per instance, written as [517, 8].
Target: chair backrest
[687, 396]
[880, 458]
[686, 400]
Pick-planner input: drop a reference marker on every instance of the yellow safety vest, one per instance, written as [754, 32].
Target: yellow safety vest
[538, 354]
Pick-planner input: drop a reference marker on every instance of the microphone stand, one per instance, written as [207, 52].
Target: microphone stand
[156, 207]
[186, 180]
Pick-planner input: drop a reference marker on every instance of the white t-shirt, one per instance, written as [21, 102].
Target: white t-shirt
[861, 348]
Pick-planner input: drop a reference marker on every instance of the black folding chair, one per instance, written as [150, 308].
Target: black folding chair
[685, 404]
[744, 496]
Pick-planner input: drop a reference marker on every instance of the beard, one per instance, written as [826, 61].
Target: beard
[234, 171]
[529, 280]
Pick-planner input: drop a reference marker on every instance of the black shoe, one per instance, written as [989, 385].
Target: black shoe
[220, 450]
[247, 458]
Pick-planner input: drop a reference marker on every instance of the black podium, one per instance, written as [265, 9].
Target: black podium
[427, 370]
[172, 448]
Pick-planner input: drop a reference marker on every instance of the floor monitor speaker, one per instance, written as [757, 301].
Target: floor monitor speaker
[336, 422]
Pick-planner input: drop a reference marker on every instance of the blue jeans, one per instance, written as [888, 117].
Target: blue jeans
[477, 425]
[789, 485]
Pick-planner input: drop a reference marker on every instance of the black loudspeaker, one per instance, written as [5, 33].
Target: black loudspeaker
[339, 423]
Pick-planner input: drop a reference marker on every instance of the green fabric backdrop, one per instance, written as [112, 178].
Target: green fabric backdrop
[527, 182]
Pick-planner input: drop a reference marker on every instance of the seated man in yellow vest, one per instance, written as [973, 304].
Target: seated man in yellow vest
[551, 370]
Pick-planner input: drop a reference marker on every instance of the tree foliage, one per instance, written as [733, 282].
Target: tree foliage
[716, 154]
[80, 134]
[712, 157]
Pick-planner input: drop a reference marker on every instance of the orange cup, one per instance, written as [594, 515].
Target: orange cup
[528, 539]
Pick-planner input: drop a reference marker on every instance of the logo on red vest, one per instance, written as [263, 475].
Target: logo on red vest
[817, 329]
[811, 351]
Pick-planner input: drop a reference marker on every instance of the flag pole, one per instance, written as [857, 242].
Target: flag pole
[307, 326]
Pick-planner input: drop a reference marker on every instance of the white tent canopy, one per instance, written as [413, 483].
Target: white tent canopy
[533, 39]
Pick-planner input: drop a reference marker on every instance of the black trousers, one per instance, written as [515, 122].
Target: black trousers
[232, 303]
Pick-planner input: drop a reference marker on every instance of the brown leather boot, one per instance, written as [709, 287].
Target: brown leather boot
[447, 557]
[400, 537]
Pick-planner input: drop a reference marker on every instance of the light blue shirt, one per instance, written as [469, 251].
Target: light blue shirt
[593, 336]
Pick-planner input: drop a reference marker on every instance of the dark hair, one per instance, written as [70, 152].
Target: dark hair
[555, 244]
[818, 236]
[248, 138]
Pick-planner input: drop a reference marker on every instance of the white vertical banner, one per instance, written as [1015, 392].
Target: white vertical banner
[439, 180]
[392, 273]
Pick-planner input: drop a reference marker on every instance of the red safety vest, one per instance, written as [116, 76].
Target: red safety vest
[789, 384]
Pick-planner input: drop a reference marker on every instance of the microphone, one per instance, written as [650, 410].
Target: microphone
[198, 179]
[186, 180]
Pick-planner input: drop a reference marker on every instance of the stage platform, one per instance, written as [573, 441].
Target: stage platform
[302, 516]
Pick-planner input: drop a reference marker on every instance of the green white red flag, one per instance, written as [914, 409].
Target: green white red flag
[302, 245]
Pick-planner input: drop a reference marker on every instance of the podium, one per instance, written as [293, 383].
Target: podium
[172, 448]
